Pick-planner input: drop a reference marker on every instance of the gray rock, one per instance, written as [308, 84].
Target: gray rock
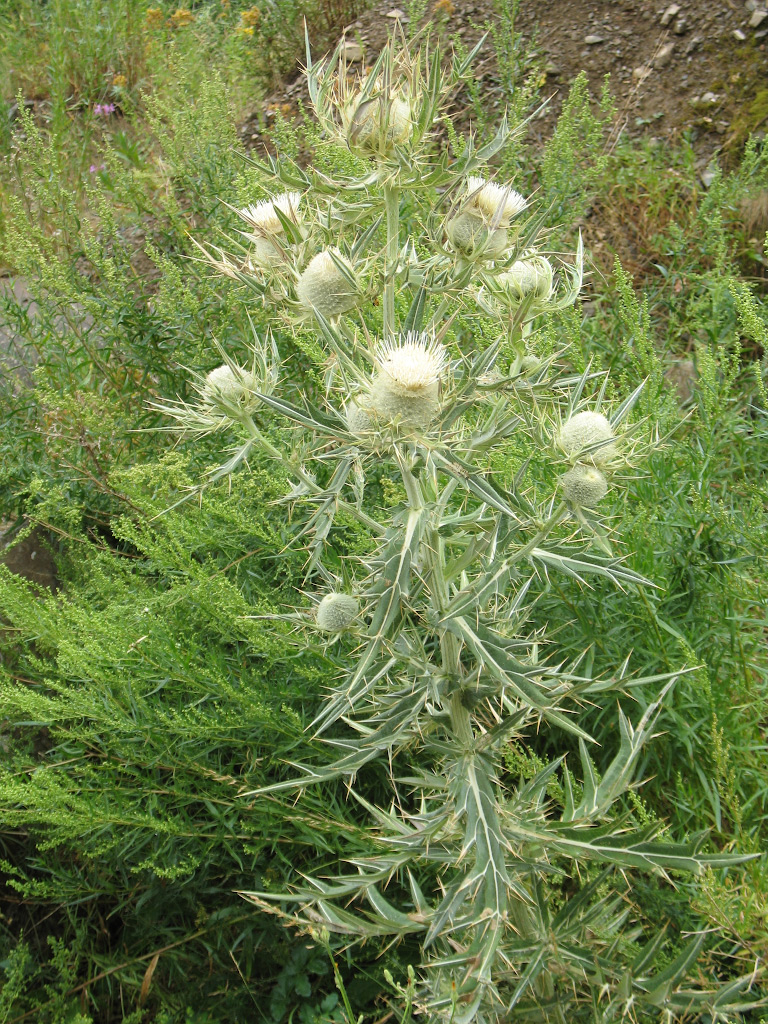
[593, 40]
[738, 35]
[680, 27]
[757, 19]
[751, 5]
[352, 52]
[640, 74]
[664, 56]
[671, 12]
[681, 374]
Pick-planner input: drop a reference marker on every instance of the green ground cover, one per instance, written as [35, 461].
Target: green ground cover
[148, 691]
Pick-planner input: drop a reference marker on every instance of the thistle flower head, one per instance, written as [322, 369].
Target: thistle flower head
[413, 361]
[406, 389]
[263, 219]
[584, 485]
[496, 204]
[530, 277]
[325, 287]
[265, 224]
[336, 612]
[588, 431]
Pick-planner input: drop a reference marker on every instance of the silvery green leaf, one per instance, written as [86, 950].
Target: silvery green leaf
[324, 426]
[598, 797]
[584, 563]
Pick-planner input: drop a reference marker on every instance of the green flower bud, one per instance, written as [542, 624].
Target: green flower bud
[226, 386]
[324, 287]
[336, 612]
[586, 430]
[377, 126]
[529, 277]
[584, 485]
[529, 364]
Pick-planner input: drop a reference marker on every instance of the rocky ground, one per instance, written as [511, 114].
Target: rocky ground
[699, 65]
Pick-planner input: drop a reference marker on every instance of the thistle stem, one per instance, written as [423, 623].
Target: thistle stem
[392, 208]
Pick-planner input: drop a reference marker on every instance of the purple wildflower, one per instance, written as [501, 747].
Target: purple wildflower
[104, 109]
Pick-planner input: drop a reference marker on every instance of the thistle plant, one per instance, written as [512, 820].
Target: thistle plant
[513, 889]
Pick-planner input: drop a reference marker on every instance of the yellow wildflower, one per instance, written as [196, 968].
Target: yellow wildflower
[181, 16]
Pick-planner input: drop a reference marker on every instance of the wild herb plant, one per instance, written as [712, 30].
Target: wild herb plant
[512, 890]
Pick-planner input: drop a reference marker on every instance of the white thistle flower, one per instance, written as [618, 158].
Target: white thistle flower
[406, 390]
[584, 485]
[588, 430]
[530, 277]
[266, 225]
[496, 204]
[336, 612]
[324, 287]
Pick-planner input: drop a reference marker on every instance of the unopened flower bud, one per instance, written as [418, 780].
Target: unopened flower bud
[226, 386]
[266, 225]
[530, 277]
[529, 364]
[406, 390]
[336, 612]
[377, 126]
[324, 287]
[584, 485]
[588, 430]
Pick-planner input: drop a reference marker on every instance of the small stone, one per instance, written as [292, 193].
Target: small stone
[680, 27]
[738, 35]
[708, 175]
[757, 19]
[671, 12]
[351, 52]
[693, 45]
[681, 374]
[593, 40]
[640, 74]
[664, 56]
[552, 70]
[397, 14]
[751, 5]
